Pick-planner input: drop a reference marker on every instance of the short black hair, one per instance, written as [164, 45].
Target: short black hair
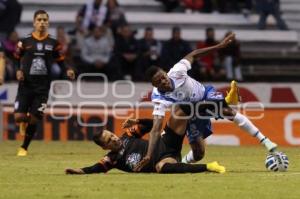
[150, 72]
[209, 29]
[176, 29]
[39, 12]
[148, 28]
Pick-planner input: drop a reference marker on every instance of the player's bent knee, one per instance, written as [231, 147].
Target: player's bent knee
[96, 138]
[20, 117]
[198, 153]
[34, 119]
[161, 163]
[159, 166]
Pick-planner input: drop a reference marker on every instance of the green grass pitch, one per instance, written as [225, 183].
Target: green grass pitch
[41, 175]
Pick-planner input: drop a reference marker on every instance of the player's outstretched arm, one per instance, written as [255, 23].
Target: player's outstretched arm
[96, 168]
[204, 51]
[74, 171]
[154, 137]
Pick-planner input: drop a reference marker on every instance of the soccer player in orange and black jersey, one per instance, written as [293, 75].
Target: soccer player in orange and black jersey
[35, 56]
[126, 151]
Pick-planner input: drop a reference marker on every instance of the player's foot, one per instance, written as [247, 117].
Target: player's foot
[22, 128]
[271, 146]
[22, 152]
[233, 96]
[215, 167]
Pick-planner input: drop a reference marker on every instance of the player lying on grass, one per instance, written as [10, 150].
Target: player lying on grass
[129, 149]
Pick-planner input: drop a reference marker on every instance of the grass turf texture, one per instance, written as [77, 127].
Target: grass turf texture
[41, 175]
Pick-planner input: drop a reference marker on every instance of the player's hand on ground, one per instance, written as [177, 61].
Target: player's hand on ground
[227, 40]
[129, 122]
[71, 74]
[142, 164]
[74, 171]
[20, 75]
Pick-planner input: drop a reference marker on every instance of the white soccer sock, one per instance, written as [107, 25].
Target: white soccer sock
[188, 158]
[245, 124]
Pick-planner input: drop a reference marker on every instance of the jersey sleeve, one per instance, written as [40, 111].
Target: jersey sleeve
[102, 166]
[181, 67]
[160, 103]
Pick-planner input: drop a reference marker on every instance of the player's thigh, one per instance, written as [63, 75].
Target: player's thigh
[22, 106]
[161, 163]
[38, 107]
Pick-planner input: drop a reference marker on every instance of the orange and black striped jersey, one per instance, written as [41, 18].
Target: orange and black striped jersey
[35, 57]
[133, 150]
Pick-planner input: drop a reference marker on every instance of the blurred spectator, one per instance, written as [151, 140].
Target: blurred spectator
[193, 5]
[247, 7]
[270, 7]
[77, 36]
[10, 44]
[10, 47]
[93, 14]
[10, 14]
[150, 50]
[126, 50]
[96, 55]
[230, 59]
[174, 49]
[228, 6]
[64, 40]
[170, 5]
[210, 66]
[115, 17]
[2, 64]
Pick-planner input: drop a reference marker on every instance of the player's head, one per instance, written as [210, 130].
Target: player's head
[97, 2]
[159, 79]
[210, 33]
[108, 140]
[148, 34]
[176, 33]
[98, 32]
[41, 21]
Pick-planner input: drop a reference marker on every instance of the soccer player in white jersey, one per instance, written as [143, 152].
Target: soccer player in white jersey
[177, 87]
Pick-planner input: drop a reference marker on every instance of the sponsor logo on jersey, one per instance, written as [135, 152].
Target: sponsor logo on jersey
[132, 160]
[39, 46]
[48, 47]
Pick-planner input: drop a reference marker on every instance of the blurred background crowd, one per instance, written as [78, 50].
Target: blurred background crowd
[102, 39]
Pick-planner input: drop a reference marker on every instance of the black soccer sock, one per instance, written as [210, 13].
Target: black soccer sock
[30, 131]
[183, 168]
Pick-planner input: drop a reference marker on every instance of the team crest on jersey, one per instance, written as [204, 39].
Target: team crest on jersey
[48, 47]
[39, 46]
[132, 160]
[38, 67]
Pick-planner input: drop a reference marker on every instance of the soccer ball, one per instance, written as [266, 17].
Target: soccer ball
[277, 161]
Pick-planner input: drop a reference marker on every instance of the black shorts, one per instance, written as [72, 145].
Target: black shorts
[27, 101]
[170, 145]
